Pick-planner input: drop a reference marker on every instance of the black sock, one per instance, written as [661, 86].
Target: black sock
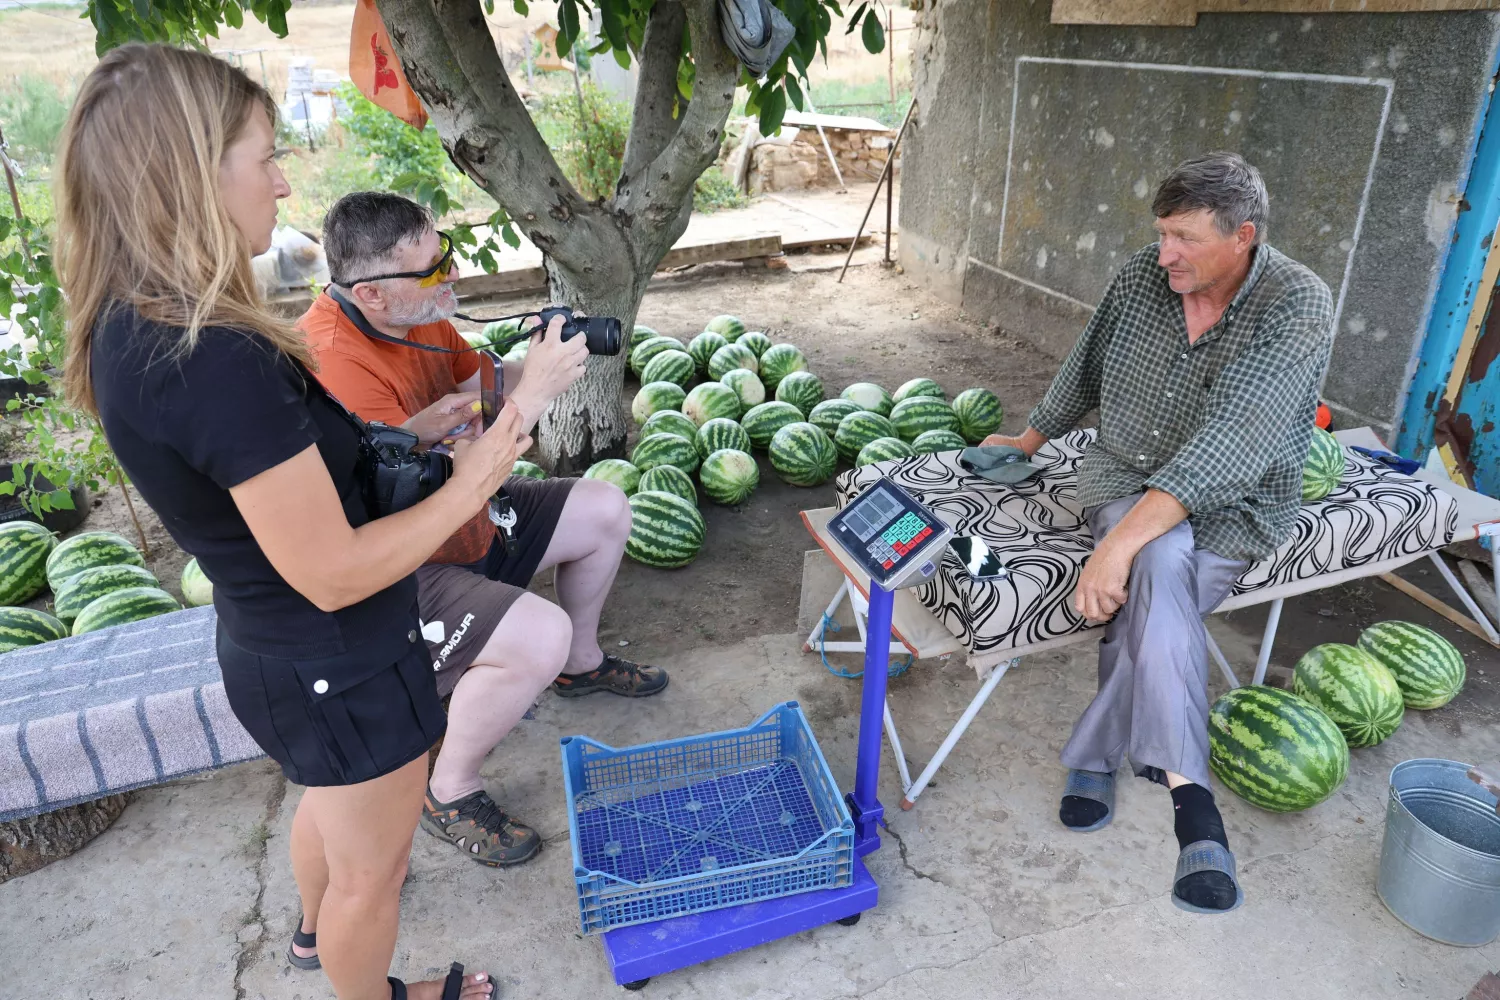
[1197, 818]
[1078, 812]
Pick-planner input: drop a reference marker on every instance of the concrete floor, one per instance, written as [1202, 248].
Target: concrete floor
[983, 893]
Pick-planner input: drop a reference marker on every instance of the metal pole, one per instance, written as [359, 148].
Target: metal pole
[15, 199]
[884, 177]
[864, 800]
[832, 160]
[890, 48]
[890, 197]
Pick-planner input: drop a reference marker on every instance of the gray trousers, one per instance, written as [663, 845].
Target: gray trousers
[1153, 660]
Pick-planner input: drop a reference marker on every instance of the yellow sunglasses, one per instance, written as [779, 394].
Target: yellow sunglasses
[434, 275]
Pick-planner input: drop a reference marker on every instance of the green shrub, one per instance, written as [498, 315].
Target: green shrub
[590, 146]
[714, 190]
[32, 113]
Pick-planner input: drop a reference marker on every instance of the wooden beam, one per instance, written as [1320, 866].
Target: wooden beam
[1184, 13]
[764, 245]
[1425, 599]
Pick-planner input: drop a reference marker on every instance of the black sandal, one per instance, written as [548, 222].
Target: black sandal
[452, 986]
[302, 939]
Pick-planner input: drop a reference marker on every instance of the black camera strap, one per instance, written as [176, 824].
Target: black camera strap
[357, 317]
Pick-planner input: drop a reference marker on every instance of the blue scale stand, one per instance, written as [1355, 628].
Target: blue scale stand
[899, 543]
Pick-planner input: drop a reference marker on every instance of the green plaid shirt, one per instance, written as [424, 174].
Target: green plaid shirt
[1224, 424]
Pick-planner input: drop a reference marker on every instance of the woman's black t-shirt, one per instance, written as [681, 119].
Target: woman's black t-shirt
[187, 428]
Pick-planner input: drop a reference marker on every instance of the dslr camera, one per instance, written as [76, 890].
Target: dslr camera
[397, 472]
[602, 333]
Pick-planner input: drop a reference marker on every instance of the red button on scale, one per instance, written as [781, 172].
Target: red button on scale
[887, 564]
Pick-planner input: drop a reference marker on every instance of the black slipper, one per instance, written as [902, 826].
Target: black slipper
[303, 940]
[452, 986]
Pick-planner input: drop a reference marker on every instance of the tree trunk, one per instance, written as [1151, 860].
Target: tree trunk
[37, 841]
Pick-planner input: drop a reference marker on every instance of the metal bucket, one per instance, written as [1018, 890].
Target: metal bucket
[1440, 863]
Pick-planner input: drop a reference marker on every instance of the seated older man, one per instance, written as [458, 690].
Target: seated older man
[1204, 360]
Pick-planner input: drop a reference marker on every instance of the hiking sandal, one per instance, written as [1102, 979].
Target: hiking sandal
[481, 829]
[615, 675]
[303, 939]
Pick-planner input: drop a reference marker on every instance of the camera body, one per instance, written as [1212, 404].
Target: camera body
[602, 333]
[397, 472]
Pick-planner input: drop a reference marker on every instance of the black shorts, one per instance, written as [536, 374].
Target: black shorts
[337, 720]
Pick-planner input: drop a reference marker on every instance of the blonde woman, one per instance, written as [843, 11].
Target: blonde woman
[167, 185]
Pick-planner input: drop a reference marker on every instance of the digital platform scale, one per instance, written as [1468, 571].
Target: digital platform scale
[899, 543]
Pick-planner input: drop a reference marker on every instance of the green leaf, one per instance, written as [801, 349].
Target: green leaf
[622, 57]
[234, 15]
[873, 33]
[772, 110]
[859, 12]
[567, 25]
[794, 91]
[509, 235]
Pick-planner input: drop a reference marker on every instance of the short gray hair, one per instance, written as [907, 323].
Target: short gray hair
[361, 230]
[1224, 184]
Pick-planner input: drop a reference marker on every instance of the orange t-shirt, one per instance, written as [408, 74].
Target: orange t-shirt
[386, 382]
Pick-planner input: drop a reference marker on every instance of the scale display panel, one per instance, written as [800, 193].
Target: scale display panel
[891, 536]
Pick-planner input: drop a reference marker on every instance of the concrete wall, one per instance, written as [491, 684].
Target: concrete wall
[1030, 171]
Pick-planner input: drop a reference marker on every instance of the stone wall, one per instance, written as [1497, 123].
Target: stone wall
[803, 163]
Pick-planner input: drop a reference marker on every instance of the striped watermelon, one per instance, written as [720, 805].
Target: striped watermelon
[703, 346]
[197, 588]
[656, 396]
[669, 479]
[649, 349]
[729, 476]
[518, 352]
[1353, 689]
[495, 334]
[727, 326]
[530, 469]
[883, 449]
[912, 416]
[778, 362]
[82, 589]
[979, 414]
[763, 421]
[720, 433]
[665, 449]
[21, 627]
[869, 396]
[828, 413]
[87, 550]
[1427, 667]
[670, 366]
[758, 342]
[859, 429]
[25, 549]
[929, 442]
[119, 607]
[1324, 466]
[640, 335]
[919, 387]
[804, 390]
[730, 357]
[710, 401]
[618, 471]
[665, 530]
[746, 385]
[1274, 749]
[670, 422]
[803, 455]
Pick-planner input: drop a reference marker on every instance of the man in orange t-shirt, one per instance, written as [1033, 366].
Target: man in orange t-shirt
[494, 646]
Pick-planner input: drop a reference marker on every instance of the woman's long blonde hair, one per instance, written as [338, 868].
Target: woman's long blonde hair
[141, 222]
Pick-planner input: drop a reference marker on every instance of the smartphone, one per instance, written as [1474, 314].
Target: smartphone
[491, 386]
[978, 559]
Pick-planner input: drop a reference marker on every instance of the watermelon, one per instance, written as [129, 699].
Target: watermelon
[859, 429]
[882, 449]
[1274, 749]
[197, 588]
[803, 455]
[1323, 468]
[780, 361]
[828, 413]
[746, 385]
[670, 422]
[804, 390]
[913, 416]
[649, 349]
[1427, 667]
[518, 352]
[869, 396]
[730, 357]
[530, 469]
[763, 421]
[618, 471]
[919, 387]
[1353, 689]
[729, 476]
[28, 627]
[82, 589]
[669, 479]
[929, 442]
[25, 550]
[654, 397]
[640, 335]
[670, 366]
[87, 550]
[498, 333]
[710, 401]
[720, 433]
[729, 327]
[665, 449]
[758, 342]
[119, 607]
[703, 346]
[666, 531]
[979, 414]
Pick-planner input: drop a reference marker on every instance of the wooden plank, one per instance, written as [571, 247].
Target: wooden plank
[521, 279]
[1425, 599]
[743, 248]
[1487, 988]
[1184, 13]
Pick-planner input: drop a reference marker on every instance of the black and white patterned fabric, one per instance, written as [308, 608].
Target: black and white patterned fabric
[1039, 530]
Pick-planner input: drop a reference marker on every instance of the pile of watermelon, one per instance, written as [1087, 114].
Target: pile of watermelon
[1289, 750]
[97, 579]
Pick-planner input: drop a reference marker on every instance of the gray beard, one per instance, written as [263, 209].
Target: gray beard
[430, 311]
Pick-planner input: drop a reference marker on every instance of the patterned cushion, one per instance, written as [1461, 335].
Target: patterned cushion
[1039, 530]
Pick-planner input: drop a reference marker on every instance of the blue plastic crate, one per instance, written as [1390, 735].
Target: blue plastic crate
[682, 826]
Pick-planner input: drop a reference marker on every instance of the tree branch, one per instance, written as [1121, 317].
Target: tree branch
[652, 124]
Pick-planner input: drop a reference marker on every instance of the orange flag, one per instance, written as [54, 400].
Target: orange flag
[376, 71]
